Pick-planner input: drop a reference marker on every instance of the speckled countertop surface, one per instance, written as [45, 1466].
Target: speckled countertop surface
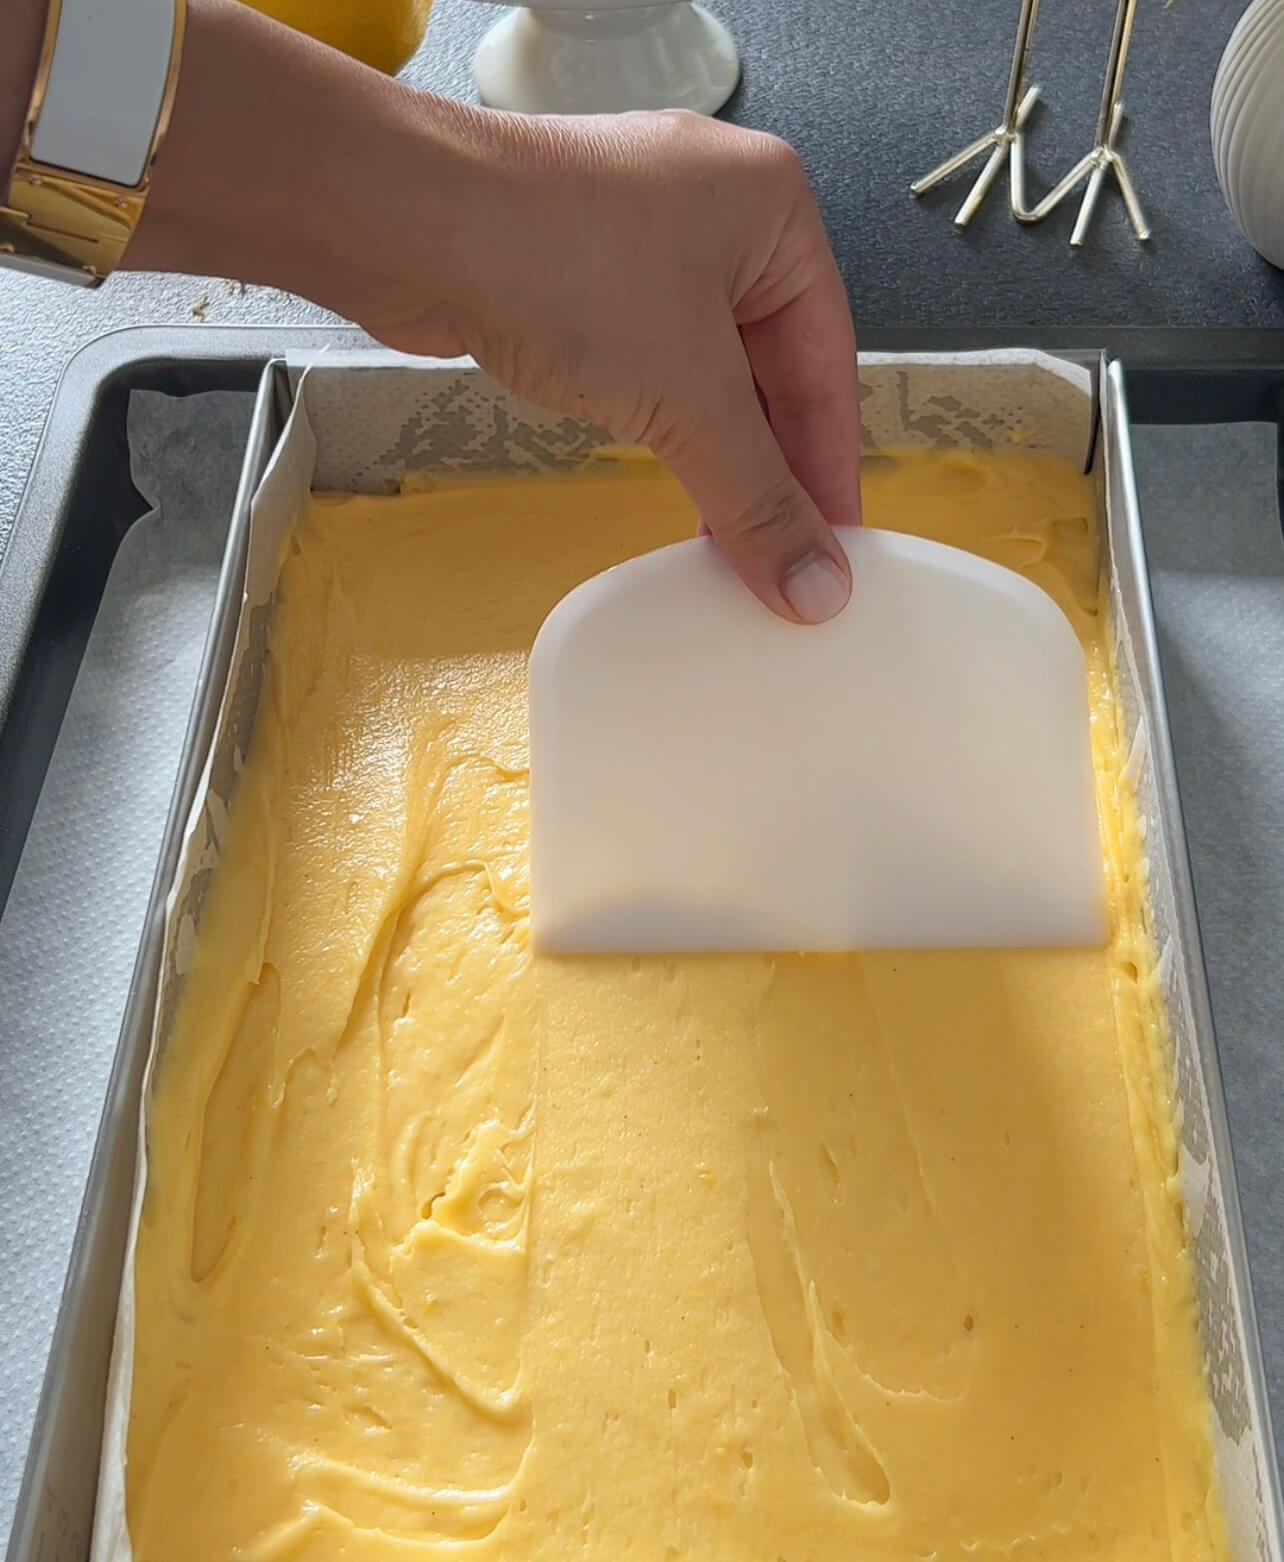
[872, 92]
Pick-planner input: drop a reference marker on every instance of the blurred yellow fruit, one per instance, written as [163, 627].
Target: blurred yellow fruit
[383, 33]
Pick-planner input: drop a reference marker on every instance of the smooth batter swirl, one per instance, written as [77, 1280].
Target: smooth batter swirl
[449, 1251]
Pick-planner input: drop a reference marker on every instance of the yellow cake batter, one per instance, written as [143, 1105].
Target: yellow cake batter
[452, 1252]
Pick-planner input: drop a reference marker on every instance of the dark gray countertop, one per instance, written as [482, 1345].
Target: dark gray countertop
[872, 94]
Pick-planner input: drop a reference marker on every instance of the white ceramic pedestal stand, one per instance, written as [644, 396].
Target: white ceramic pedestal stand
[544, 59]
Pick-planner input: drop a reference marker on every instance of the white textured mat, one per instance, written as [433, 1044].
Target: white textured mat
[1212, 524]
[71, 928]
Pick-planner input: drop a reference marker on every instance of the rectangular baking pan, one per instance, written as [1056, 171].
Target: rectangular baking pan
[54, 1515]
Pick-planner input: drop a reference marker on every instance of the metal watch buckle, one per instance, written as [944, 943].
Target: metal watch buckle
[67, 223]
[57, 223]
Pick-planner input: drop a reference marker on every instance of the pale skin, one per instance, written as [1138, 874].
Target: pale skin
[663, 275]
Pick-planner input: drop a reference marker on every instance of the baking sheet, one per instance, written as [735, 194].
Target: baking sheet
[70, 930]
[1209, 507]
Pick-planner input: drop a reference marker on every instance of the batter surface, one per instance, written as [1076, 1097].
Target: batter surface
[452, 1252]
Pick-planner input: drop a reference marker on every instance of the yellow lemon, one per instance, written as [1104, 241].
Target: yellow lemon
[382, 33]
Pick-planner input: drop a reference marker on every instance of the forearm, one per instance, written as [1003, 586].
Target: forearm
[282, 161]
[285, 162]
[22, 27]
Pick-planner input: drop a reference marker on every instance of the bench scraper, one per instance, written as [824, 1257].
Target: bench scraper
[915, 773]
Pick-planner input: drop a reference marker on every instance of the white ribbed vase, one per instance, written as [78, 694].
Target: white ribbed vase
[1247, 126]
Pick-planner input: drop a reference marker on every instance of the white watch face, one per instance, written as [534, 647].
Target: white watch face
[105, 89]
[47, 269]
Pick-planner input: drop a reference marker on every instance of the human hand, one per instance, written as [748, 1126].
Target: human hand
[659, 274]
[663, 275]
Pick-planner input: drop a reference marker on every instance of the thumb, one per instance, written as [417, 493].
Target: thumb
[771, 533]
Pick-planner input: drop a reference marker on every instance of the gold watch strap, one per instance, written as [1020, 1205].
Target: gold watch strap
[63, 223]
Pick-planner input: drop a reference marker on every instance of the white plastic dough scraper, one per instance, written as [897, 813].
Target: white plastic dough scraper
[916, 773]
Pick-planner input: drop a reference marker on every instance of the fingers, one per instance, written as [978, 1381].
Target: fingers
[803, 358]
[771, 532]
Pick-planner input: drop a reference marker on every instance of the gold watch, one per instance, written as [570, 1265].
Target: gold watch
[100, 106]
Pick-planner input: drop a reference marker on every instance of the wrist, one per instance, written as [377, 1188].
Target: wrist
[235, 188]
[286, 163]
